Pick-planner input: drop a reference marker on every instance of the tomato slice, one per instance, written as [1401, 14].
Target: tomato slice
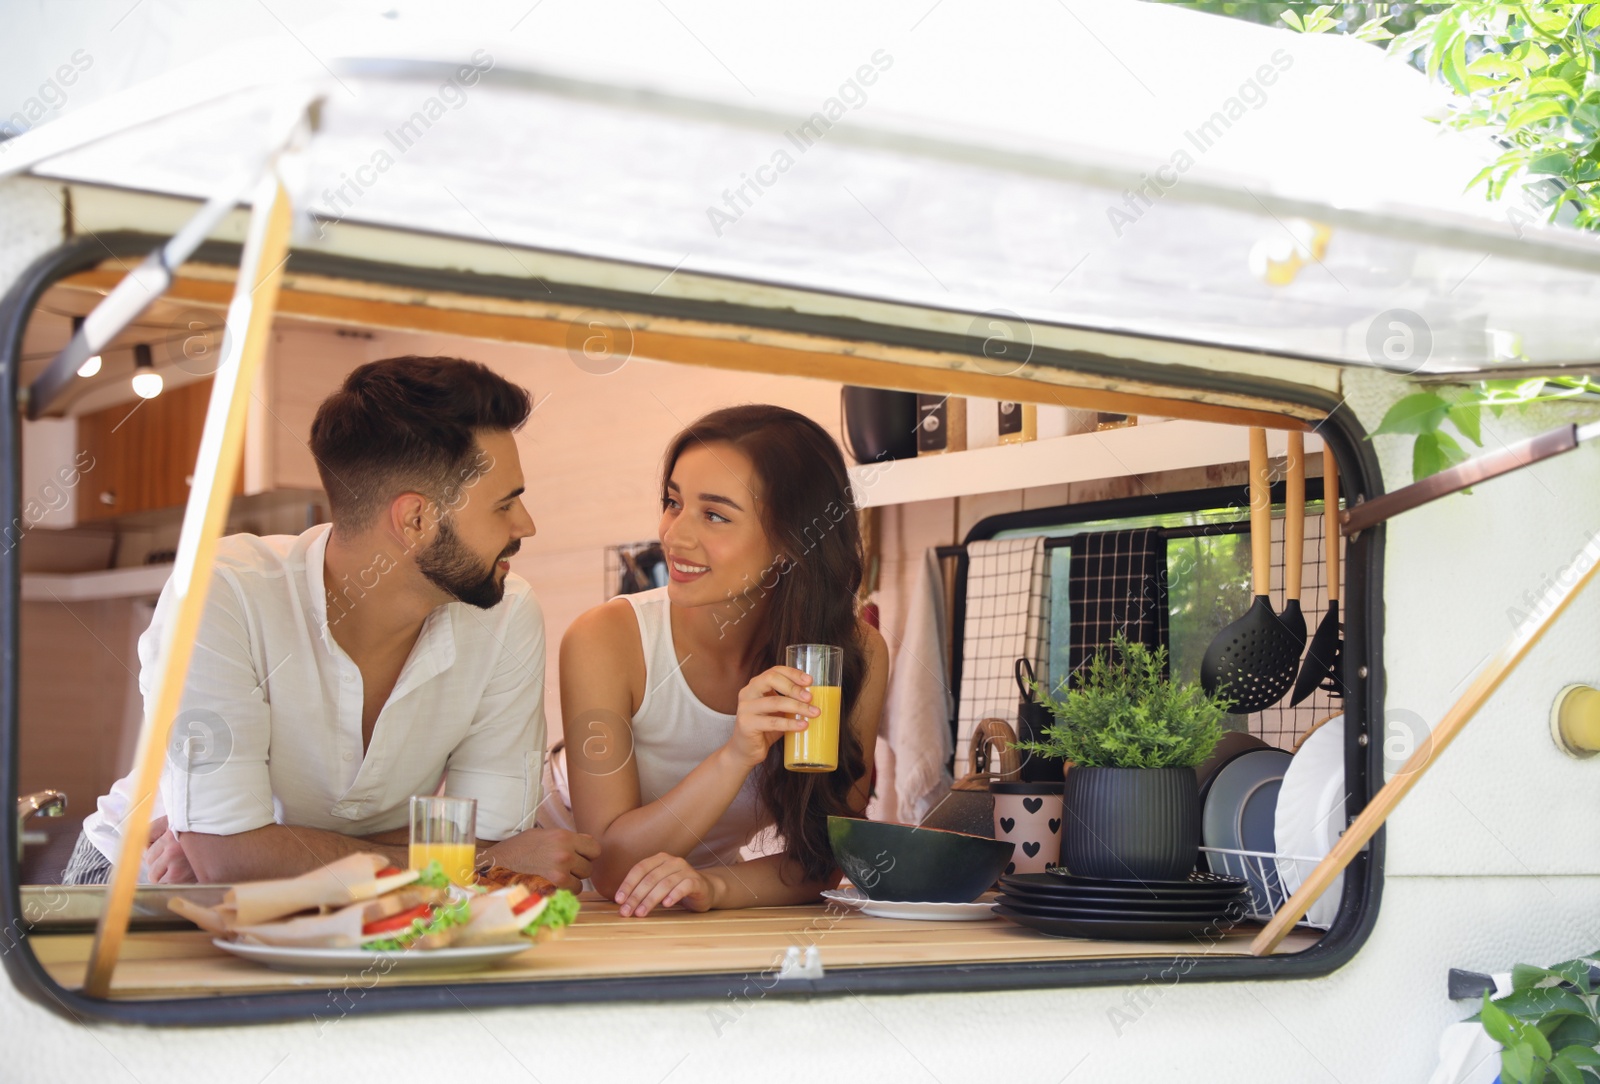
[389, 871]
[531, 901]
[397, 922]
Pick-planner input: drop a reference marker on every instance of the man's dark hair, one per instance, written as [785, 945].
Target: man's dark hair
[405, 425]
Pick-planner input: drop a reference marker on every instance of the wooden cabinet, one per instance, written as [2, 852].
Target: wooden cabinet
[144, 453]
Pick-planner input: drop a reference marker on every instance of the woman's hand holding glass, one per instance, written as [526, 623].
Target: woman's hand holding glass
[768, 709]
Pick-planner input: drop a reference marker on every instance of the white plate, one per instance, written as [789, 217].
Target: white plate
[1311, 814]
[469, 958]
[857, 900]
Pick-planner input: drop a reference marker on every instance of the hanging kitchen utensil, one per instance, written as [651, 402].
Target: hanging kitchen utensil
[1294, 540]
[1032, 719]
[1321, 665]
[1255, 659]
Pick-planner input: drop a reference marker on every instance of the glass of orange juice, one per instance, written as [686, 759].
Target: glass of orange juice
[444, 830]
[816, 748]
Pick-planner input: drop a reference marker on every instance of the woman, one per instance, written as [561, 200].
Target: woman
[675, 700]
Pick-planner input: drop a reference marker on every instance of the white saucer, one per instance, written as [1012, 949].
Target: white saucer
[279, 958]
[1311, 814]
[856, 900]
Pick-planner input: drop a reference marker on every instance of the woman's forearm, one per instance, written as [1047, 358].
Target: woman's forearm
[676, 823]
[760, 883]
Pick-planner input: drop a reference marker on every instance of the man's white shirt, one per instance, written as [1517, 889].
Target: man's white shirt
[270, 725]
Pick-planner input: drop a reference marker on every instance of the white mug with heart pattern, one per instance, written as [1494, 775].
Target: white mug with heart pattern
[1029, 815]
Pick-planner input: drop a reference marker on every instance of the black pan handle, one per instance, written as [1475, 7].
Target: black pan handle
[1024, 686]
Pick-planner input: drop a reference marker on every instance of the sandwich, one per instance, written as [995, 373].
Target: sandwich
[362, 902]
[512, 914]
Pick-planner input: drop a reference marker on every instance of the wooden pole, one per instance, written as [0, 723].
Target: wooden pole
[1571, 581]
[221, 448]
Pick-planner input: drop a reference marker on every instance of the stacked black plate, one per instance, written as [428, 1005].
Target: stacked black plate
[1067, 906]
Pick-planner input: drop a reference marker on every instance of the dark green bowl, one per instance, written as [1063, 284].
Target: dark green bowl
[903, 862]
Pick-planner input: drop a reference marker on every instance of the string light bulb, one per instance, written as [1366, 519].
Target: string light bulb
[147, 382]
[90, 367]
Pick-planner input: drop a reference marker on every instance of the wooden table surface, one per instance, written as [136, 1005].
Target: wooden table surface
[182, 963]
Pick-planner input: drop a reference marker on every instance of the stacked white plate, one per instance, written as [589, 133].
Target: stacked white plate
[1311, 814]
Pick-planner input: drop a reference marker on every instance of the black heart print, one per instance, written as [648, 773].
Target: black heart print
[1006, 824]
[1011, 867]
[1030, 849]
[1055, 825]
[1033, 805]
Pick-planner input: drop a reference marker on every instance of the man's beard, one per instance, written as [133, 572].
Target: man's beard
[456, 570]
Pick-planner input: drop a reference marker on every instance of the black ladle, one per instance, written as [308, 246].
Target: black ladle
[1321, 666]
[1254, 660]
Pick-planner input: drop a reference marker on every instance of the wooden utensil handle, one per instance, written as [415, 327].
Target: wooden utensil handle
[1260, 515]
[1457, 478]
[1330, 515]
[1294, 517]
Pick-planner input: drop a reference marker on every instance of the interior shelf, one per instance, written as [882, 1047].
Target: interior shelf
[145, 581]
[1113, 453]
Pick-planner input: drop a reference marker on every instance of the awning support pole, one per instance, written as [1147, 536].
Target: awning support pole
[255, 300]
[1571, 581]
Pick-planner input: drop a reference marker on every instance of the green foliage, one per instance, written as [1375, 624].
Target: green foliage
[1126, 713]
[1548, 1025]
[1525, 71]
[1425, 414]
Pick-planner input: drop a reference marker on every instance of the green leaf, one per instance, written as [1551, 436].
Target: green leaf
[1566, 1072]
[1433, 453]
[1534, 1038]
[1494, 66]
[1538, 1003]
[1497, 1022]
[1550, 163]
[1455, 65]
[1580, 1055]
[1293, 20]
[1577, 1030]
[1530, 112]
[1420, 412]
[1516, 1064]
[1529, 977]
[1466, 418]
[1546, 84]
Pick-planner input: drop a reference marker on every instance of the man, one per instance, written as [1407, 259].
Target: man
[339, 672]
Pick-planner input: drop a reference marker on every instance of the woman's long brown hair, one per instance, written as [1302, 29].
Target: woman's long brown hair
[809, 594]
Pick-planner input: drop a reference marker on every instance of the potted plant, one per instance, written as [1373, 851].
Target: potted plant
[1133, 737]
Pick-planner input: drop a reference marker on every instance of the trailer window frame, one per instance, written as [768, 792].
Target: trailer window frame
[1362, 601]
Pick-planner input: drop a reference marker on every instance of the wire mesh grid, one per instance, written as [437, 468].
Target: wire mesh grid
[1282, 725]
[1007, 618]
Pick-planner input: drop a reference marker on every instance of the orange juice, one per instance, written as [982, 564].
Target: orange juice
[816, 749]
[458, 859]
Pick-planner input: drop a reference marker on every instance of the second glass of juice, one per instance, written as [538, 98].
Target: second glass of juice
[444, 830]
[816, 748]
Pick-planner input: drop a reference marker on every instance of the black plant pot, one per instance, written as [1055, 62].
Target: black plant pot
[1131, 823]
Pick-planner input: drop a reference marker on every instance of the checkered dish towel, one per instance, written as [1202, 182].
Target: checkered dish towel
[1008, 618]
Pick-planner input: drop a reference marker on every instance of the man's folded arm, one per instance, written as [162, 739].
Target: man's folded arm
[281, 850]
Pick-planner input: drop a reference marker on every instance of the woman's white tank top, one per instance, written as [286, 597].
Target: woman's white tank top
[673, 732]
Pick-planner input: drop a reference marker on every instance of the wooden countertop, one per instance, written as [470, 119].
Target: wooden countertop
[601, 944]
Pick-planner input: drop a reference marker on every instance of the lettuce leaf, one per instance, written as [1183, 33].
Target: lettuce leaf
[433, 876]
[455, 913]
[560, 912]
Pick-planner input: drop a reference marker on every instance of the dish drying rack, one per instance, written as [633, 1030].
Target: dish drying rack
[1272, 878]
